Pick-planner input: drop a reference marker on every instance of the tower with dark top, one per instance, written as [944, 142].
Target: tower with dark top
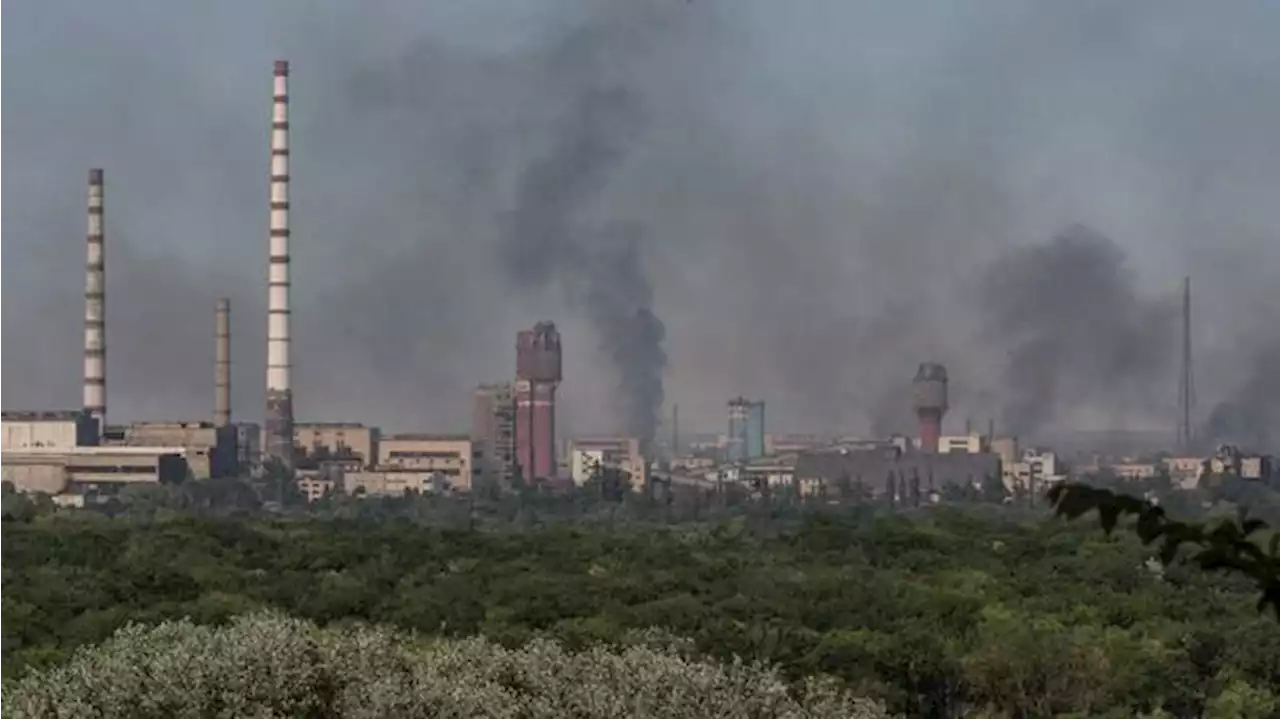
[929, 396]
[538, 373]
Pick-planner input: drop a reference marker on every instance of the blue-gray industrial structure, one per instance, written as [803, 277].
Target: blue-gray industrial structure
[746, 430]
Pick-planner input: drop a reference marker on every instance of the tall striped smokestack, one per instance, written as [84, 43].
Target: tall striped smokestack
[279, 415]
[95, 342]
[222, 363]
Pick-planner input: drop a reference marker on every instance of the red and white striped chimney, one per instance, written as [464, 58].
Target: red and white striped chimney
[279, 416]
[95, 305]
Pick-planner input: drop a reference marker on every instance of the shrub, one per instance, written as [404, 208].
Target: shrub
[270, 665]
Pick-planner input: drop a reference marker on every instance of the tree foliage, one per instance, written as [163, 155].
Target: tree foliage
[943, 611]
[268, 665]
[1227, 545]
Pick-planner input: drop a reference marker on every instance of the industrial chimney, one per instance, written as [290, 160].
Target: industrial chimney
[95, 342]
[537, 376]
[222, 363]
[279, 415]
[929, 390]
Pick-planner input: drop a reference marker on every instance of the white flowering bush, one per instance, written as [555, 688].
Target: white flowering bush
[268, 665]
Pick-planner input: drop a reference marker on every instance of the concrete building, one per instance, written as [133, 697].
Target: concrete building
[65, 470]
[210, 450]
[785, 443]
[350, 444]
[773, 472]
[1135, 471]
[971, 443]
[1035, 467]
[314, 486]
[452, 459]
[903, 476]
[493, 424]
[48, 430]
[746, 438]
[538, 374]
[388, 482]
[623, 453]
[1185, 472]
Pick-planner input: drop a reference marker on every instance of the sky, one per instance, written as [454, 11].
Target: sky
[817, 197]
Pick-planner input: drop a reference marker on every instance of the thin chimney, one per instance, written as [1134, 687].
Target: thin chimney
[279, 414]
[95, 304]
[222, 364]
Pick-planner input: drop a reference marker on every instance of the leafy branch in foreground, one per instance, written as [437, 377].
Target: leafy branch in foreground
[1228, 546]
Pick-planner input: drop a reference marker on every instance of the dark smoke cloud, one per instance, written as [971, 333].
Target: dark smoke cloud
[815, 190]
[1250, 417]
[1076, 328]
[549, 238]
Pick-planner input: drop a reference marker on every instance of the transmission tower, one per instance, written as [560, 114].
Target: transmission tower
[1186, 384]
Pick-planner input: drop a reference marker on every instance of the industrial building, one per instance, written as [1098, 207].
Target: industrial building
[210, 450]
[586, 454]
[971, 443]
[59, 452]
[393, 482]
[48, 429]
[493, 425]
[902, 476]
[452, 459]
[538, 374]
[57, 471]
[746, 440]
[350, 445]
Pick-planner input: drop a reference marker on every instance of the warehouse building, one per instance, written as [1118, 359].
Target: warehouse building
[210, 450]
[57, 471]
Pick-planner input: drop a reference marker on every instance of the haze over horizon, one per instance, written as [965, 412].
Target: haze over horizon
[810, 202]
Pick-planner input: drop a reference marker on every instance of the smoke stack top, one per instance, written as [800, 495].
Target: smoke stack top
[282, 68]
[95, 331]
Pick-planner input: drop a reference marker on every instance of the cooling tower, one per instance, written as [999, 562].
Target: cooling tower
[929, 390]
[222, 363]
[279, 415]
[95, 304]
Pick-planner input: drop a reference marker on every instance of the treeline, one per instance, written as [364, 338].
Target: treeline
[949, 611]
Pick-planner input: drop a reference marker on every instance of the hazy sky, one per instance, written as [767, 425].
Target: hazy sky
[828, 190]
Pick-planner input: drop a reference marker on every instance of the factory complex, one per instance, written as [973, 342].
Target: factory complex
[74, 455]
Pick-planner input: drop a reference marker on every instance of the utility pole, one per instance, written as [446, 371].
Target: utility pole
[1186, 384]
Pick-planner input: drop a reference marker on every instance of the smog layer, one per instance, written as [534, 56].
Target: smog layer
[711, 198]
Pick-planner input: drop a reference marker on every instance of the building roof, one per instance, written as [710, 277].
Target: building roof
[423, 437]
[95, 451]
[42, 415]
[874, 467]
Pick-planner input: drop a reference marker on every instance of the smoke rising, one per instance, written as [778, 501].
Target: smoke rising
[549, 238]
[1076, 329]
[812, 194]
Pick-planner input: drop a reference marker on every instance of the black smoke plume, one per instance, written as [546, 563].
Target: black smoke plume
[549, 238]
[1077, 331]
[1250, 417]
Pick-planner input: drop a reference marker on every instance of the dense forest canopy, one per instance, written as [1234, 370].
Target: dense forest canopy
[945, 611]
